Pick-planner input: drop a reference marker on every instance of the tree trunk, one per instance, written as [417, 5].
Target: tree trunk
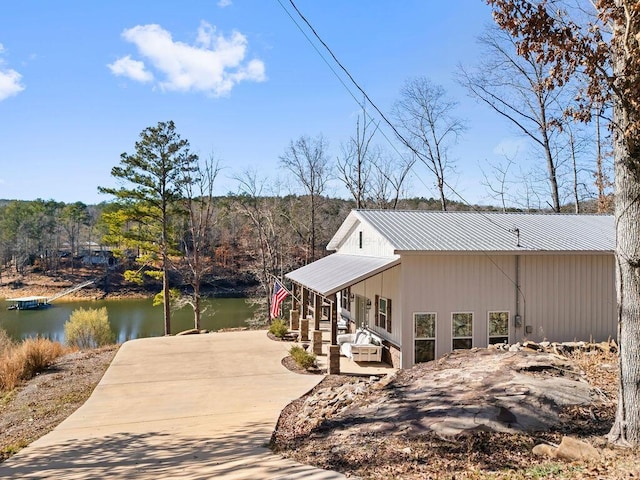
[166, 293]
[626, 428]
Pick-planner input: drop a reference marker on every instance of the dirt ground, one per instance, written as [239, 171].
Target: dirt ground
[36, 407]
[359, 434]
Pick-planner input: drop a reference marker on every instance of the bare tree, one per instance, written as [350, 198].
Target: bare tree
[358, 156]
[425, 115]
[516, 87]
[496, 180]
[389, 179]
[607, 51]
[267, 237]
[201, 218]
[307, 160]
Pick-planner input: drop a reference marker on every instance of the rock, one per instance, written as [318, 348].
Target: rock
[570, 450]
[531, 345]
[544, 450]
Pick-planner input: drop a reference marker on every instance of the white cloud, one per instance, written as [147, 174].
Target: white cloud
[224, 3]
[213, 65]
[9, 80]
[133, 69]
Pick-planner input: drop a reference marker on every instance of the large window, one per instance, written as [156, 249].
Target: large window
[462, 330]
[498, 327]
[424, 332]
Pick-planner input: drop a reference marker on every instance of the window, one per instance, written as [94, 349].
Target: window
[462, 330]
[498, 327]
[345, 302]
[383, 313]
[360, 239]
[424, 333]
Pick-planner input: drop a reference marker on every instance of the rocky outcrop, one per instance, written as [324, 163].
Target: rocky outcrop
[466, 391]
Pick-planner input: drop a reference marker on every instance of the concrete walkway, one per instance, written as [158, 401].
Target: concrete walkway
[188, 407]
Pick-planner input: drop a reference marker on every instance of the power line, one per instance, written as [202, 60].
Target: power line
[404, 141]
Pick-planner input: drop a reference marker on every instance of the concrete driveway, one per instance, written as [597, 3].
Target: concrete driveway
[188, 407]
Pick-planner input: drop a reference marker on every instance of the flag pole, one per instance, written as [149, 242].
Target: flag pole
[281, 282]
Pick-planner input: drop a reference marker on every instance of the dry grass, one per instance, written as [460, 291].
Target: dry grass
[22, 361]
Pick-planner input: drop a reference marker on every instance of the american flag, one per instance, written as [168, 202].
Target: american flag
[279, 294]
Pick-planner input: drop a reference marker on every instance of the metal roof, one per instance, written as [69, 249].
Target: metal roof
[338, 271]
[435, 231]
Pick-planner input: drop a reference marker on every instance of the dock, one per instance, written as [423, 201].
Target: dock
[28, 303]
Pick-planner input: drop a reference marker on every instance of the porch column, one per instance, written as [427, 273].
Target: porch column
[304, 329]
[304, 311]
[333, 319]
[294, 319]
[294, 295]
[317, 311]
[317, 342]
[333, 360]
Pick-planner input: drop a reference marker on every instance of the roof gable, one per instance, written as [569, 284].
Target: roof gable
[435, 231]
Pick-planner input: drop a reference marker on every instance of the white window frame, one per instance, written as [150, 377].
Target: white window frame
[381, 325]
[435, 333]
[454, 337]
[489, 336]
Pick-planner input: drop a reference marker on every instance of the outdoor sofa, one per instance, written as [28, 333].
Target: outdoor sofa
[362, 346]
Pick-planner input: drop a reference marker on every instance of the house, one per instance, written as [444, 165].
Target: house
[430, 282]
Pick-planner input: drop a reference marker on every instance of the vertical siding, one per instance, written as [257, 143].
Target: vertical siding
[373, 244]
[387, 285]
[462, 283]
[569, 297]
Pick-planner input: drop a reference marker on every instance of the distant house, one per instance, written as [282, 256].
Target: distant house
[431, 282]
[95, 254]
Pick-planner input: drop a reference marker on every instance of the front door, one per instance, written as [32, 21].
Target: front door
[361, 311]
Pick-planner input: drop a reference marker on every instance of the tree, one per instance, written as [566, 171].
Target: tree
[358, 157]
[201, 218]
[607, 51]
[154, 177]
[425, 114]
[306, 159]
[515, 85]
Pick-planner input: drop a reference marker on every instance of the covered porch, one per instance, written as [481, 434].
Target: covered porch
[323, 307]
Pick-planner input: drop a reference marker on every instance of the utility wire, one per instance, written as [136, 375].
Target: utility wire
[404, 141]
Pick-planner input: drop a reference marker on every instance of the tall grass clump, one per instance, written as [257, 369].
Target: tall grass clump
[88, 328]
[22, 361]
[278, 328]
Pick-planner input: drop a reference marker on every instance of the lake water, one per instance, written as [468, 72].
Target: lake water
[129, 319]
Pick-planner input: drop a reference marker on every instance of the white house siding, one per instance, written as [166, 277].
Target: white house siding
[373, 244]
[569, 297]
[444, 284]
[564, 297]
[387, 285]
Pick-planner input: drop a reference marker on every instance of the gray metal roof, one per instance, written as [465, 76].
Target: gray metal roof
[436, 231]
[338, 271]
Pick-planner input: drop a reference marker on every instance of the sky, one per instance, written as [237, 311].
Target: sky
[79, 81]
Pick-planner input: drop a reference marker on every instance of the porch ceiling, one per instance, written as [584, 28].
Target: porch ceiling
[338, 271]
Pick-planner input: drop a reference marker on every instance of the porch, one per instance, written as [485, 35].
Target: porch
[347, 366]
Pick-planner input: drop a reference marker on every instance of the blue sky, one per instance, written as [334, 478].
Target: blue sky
[80, 80]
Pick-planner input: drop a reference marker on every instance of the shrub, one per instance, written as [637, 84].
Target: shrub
[23, 361]
[88, 328]
[278, 328]
[6, 343]
[303, 358]
[38, 354]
